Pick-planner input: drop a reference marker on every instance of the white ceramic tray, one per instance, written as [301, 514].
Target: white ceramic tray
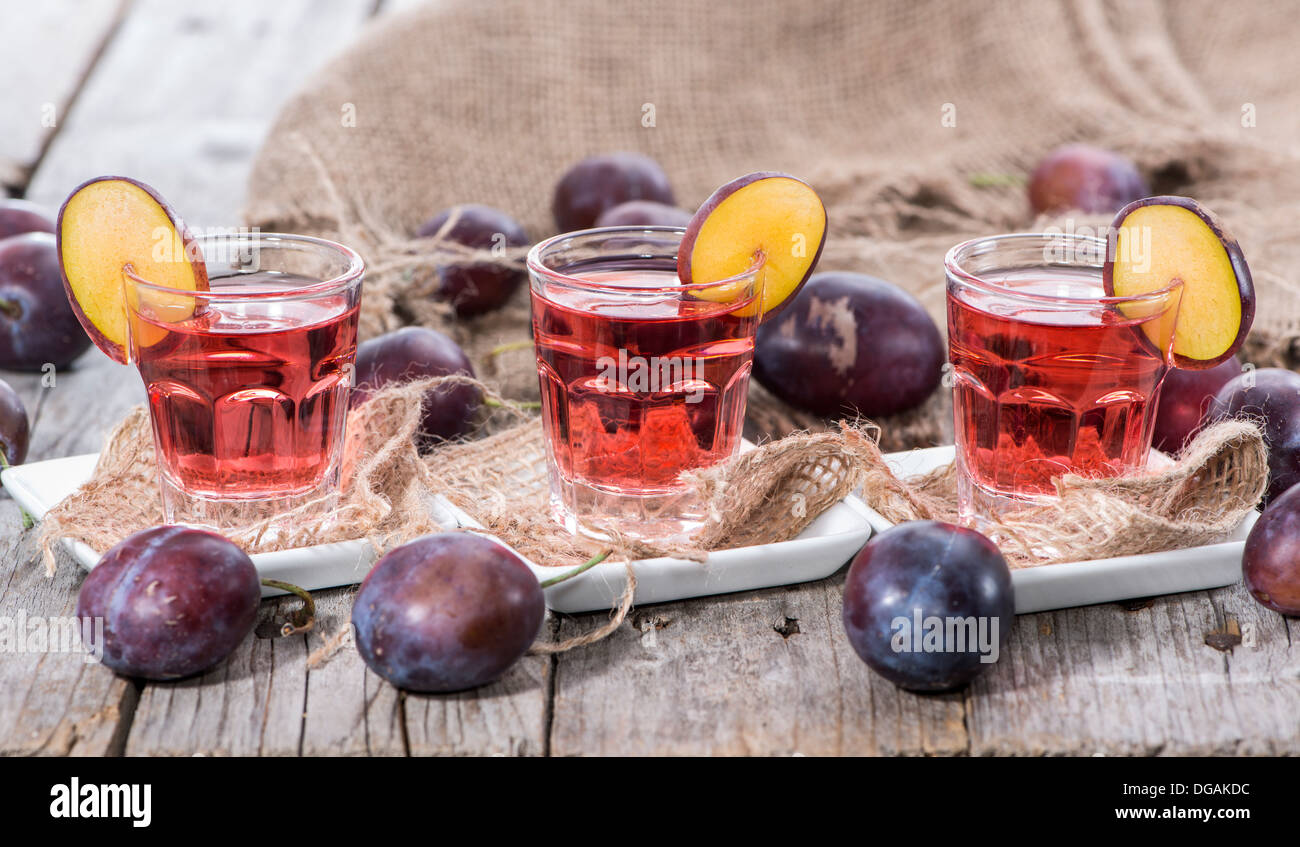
[820, 550]
[826, 545]
[1102, 580]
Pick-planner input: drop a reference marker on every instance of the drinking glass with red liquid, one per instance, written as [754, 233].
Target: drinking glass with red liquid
[641, 377]
[248, 382]
[1050, 375]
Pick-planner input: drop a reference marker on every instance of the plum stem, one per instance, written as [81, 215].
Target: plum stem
[570, 574]
[513, 345]
[303, 619]
[11, 308]
[518, 404]
[28, 520]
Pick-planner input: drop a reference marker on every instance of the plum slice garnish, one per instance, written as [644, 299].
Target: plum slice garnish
[1162, 241]
[113, 225]
[770, 215]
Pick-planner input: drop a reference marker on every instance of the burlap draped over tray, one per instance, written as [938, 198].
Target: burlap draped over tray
[766, 495]
[913, 120]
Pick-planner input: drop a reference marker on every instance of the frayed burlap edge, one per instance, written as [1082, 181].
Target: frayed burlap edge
[1200, 499]
[384, 486]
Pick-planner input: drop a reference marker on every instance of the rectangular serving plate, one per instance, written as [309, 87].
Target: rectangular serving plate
[819, 551]
[1083, 583]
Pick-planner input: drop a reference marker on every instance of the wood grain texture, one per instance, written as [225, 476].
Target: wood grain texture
[183, 95]
[349, 710]
[52, 702]
[717, 676]
[249, 705]
[57, 703]
[48, 48]
[1106, 680]
[506, 718]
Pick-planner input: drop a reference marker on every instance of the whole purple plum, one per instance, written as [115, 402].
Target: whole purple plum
[37, 324]
[928, 605]
[447, 612]
[644, 213]
[14, 431]
[173, 601]
[598, 183]
[1271, 395]
[474, 288]
[19, 216]
[415, 352]
[1185, 397]
[1270, 563]
[1087, 178]
[850, 344]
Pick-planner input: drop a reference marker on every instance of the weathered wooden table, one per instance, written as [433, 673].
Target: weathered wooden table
[180, 95]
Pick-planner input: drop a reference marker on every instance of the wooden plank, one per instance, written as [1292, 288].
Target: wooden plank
[48, 49]
[82, 405]
[506, 718]
[56, 703]
[349, 711]
[757, 673]
[1263, 674]
[1104, 680]
[184, 94]
[52, 702]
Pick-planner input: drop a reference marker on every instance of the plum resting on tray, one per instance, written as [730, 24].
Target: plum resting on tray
[913, 575]
[474, 288]
[598, 183]
[416, 352]
[1271, 395]
[14, 431]
[37, 324]
[173, 601]
[1083, 177]
[447, 612]
[850, 344]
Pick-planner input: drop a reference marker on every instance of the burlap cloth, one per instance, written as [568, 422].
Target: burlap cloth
[916, 121]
